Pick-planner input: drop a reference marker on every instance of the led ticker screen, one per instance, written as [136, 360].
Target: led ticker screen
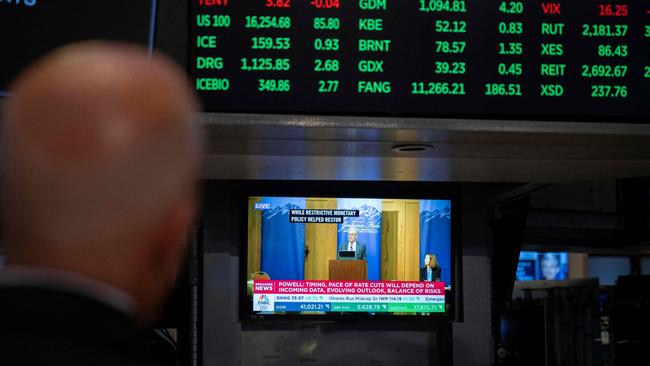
[574, 60]
[32, 28]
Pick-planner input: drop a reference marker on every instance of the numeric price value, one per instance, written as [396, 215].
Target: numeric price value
[609, 91]
[440, 6]
[604, 71]
[312, 307]
[328, 86]
[325, 4]
[321, 23]
[515, 69]
[326, 44]
[613, 10]
[326, 65]
[265, 64]
[270, 43]
[511, 28]
[608, 50]
[604, 30]
[278, 3]
[274, 86]
[454, 68]
[511, 7]
[511, 48]
[450, 46]
[267, 22]
[368, 307]
[437, 88]
[504, 90]
[451, 26]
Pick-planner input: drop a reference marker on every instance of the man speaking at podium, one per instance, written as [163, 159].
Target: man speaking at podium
[353, 245]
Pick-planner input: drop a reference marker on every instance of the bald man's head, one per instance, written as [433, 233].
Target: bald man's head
[99, 159]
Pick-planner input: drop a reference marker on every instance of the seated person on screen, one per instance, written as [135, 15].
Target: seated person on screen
[550, 264]
[431, 270]
[354, 245]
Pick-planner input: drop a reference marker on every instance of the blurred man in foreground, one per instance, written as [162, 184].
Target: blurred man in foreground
[99, 163]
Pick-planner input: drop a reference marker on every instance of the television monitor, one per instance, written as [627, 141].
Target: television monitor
[608, 268]
[333, 257]
[542, 266]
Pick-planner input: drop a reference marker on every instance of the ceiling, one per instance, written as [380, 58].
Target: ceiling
[246, 146]
[242, 146]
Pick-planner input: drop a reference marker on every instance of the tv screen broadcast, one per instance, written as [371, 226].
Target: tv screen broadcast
[368, 257]
[542, 266]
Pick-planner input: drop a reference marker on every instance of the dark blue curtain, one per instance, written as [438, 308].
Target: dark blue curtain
[283, 243]
[368, 226]
[435, 234]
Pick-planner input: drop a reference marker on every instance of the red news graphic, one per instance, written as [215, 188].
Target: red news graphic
[350, 287]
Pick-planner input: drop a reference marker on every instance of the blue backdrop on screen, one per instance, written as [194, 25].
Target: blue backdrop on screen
[368, 226]
[283, 243]
[542, 266]
[435, 234]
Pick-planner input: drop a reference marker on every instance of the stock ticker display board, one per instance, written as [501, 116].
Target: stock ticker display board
[540, 60]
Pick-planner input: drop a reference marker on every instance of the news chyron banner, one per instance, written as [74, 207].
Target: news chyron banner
[349, 296]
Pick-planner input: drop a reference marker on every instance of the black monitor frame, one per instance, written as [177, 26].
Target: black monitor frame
[354, 189]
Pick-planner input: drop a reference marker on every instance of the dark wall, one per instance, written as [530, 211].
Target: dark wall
[172, 29]
[32, 29]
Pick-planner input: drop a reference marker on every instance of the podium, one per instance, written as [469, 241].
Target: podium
[348, 270]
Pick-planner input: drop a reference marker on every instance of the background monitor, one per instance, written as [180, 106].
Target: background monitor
[293, 269]
[542, 266]
[608, 268]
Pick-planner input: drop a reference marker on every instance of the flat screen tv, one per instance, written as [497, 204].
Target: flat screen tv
[542, 266]
[381, 253]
